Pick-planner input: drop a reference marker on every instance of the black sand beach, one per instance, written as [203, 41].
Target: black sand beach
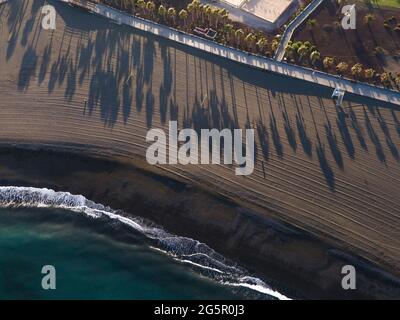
[288, 259]
[325, 186]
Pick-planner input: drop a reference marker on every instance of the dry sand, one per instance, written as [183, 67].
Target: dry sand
[334, 177]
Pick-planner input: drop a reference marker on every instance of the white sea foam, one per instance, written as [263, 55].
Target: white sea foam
[208, 262]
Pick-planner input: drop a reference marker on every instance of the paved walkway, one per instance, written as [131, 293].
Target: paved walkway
[243, 57]
[287, 35]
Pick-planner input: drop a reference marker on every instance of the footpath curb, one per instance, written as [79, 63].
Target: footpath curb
[263, 63]
[287, 35]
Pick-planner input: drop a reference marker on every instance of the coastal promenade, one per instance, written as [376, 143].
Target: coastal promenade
[96, 88]
[259, 62]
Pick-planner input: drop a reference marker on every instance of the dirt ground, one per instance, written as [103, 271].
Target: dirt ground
[358, 45]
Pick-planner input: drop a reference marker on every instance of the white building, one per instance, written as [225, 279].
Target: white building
[266, 14]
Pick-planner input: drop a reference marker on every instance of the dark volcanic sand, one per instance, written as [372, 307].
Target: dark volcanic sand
[288, 259]
[335, 177]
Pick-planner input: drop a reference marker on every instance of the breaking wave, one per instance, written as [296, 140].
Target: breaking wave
[185, 250]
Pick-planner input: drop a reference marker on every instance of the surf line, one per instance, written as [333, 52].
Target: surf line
[182, 249]
[186, 146]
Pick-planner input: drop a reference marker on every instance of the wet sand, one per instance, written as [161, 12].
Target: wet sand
[96, 88]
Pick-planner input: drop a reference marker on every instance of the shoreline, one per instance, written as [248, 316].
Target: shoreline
[335, 176]
[270, 249]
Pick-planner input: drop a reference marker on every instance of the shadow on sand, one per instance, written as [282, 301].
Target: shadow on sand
[118, 64]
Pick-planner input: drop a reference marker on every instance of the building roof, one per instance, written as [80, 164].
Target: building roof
[269, 10]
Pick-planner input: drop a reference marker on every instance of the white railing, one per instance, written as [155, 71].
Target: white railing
[260, 62]
[287, 35]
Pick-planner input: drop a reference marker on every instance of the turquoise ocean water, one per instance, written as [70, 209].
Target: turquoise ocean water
[99, 253]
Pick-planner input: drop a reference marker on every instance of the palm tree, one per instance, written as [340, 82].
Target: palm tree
[302, 51]
[274, 44]
[314, 57]
[202, 11]
[224, 14]
[150, 7]
[328, 62]
[342, 67]
[311, 23]
[141, 5]
[214, 16]
[209, 12]
[295, 46]
[228, 30]
[262, 43]
[191, 9]
[183, 15]
[397, 79]
[220, 14]
[368, 18]
[308, 44]
[172, 14]
[196, 3]
[250, 39]
[239, 34]
[290, 51]
[357, 70]
[385, 79]
[162, 11]
[197, 6]
[369, 73]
